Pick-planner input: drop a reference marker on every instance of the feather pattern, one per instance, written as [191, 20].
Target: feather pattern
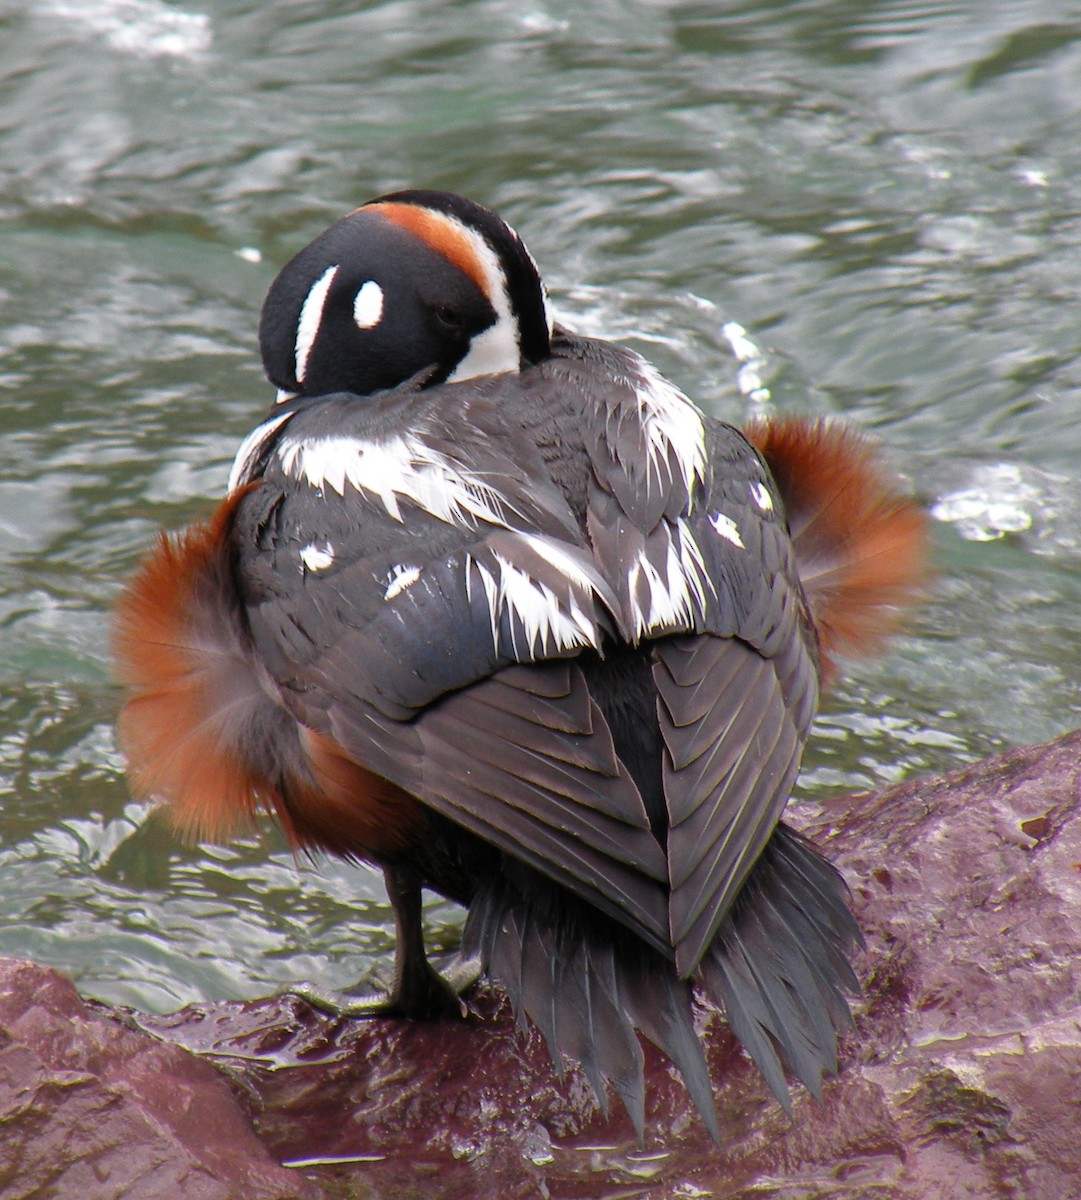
[588, 988]
[450, 670]
[779, 966]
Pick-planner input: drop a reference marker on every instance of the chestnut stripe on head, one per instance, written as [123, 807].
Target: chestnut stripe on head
[448, 237]
[487, 251]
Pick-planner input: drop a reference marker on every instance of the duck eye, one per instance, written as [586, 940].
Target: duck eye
[450, 318]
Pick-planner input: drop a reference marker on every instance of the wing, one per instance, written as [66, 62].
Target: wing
[735, 705]
[688, 528]
[395, 573]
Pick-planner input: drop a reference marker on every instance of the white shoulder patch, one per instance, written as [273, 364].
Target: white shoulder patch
[760, 495]
[251, 449]
[398, 468]
[727, 528]
[400, 577]
[315, 557]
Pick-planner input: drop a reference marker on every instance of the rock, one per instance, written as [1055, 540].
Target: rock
[92, 1110]
[968, 889]
[963, 1080]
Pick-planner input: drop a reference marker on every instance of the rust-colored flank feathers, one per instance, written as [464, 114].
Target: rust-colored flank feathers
[203, 730]
[176, 671]
[860, 543]
[339, 806]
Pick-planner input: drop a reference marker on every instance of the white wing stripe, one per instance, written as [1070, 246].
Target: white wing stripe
[675, 591]
[551, 620]
[671, 425]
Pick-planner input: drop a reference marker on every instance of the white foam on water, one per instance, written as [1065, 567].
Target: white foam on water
[146, 28]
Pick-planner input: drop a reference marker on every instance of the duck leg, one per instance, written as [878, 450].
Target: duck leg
[417, 990]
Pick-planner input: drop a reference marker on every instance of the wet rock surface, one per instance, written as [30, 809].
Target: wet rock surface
[90, 1108]
[963, 1080]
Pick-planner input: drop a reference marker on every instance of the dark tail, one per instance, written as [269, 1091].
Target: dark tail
[778, 967]
[588, 984]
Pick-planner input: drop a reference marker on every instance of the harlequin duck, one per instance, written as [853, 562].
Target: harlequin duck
[496, 607]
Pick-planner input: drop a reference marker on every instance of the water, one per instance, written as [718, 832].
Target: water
[884, 197]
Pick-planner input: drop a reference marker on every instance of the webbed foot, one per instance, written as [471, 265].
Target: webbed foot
[418, 992]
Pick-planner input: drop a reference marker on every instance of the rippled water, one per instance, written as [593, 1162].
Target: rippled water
[884, 197]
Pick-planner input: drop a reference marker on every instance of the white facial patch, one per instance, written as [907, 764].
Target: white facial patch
[317, 558]
[760, 495]
[671, 425]
[727, 529]
[496, 349]
[491, 352]
[311, 317]
[401, 467]
[368, 306]
[669, 593]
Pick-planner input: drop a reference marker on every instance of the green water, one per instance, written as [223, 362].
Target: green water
[886, 197]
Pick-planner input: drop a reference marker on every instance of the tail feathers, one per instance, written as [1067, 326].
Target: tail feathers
[779, 965]
[860, 543]
[588, 986]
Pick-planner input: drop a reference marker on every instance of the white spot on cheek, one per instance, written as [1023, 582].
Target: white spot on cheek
[400, 579]
[760, 495]
[317, 558]
[368, 306]
[311, 317]
[726, 528]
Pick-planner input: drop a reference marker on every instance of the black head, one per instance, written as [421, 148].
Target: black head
[410, 281]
